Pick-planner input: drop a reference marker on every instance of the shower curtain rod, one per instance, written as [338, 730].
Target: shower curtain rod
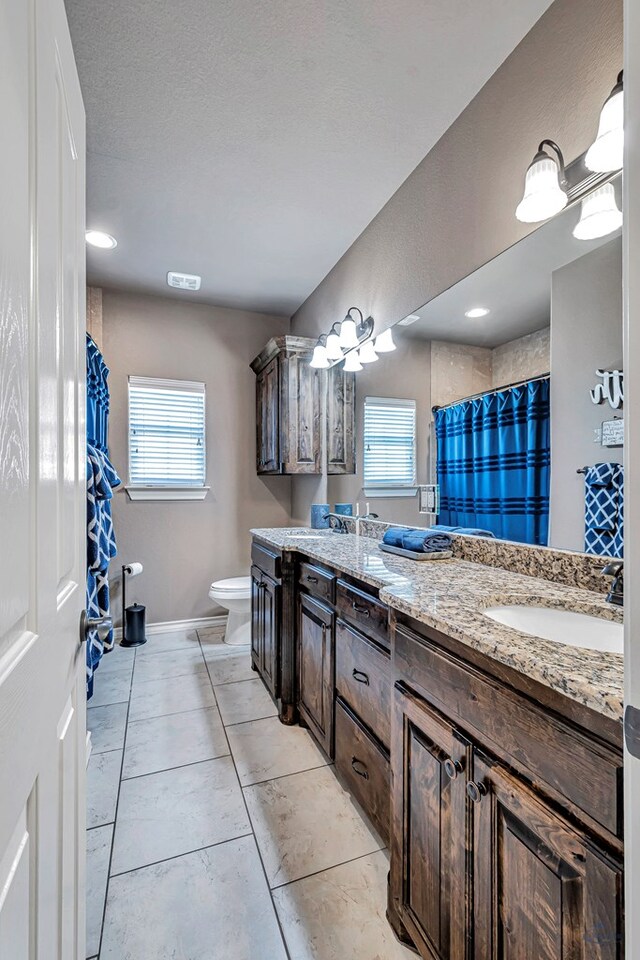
[485, 393]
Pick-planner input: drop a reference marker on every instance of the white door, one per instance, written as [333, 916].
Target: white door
[42, 500]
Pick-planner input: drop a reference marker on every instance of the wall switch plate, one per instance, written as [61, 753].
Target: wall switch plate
[429, 498]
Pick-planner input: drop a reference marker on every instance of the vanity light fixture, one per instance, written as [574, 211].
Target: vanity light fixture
[320, 359]
[384, 342]
[352, 362]
[100, 239]
[334, 350]
[349, 330]
[477, 312]
[599, 214]
[606, 152]
[544, 193]
[367, 352]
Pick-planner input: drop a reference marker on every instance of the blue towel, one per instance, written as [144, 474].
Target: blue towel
[467, 531]
[393, 536]
[423, 541]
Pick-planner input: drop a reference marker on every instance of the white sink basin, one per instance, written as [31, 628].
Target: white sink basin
[562, 626]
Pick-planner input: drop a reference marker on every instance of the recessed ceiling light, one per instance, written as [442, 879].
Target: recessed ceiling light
[99, 239]
[476, 312]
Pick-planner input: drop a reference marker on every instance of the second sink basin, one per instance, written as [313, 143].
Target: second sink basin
[562, 626]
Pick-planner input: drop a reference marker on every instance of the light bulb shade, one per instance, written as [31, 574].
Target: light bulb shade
[599, 214]
[368, 353]
[606, 152]
[543, 195]
[348, 334]
[319, 358]
[334, 350]
[384, 342]
[352, 362]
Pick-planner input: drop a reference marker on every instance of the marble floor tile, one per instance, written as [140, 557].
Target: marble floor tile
[113, 687]
[265, 749]
[305, 823]
[247, 700]
[228, 665]
[169, 664]
[173, 741]
[98, 853]
[107, 726]
[156, 698]
[120, 659]
[171, 640]
[103, 780]
[210, 905]
[211, 637]
[177, 811]
[339, 914]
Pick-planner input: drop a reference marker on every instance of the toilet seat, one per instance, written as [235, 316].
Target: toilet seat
[235, 588]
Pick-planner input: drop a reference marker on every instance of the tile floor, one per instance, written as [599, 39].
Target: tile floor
[213, 831]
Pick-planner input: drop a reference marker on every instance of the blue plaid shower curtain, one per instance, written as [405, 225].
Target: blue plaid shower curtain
[494, 462]
[101, 480]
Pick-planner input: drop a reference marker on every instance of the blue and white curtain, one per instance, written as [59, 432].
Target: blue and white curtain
[604, 510]
[101, 480]
[494, 462]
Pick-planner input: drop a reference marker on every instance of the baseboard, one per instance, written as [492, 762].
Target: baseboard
[171, 626]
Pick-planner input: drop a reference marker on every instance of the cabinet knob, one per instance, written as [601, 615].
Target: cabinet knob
[312, 579]
[360, 768]
[363, 611]
[452, 768]
[360, 676]
[476, 791]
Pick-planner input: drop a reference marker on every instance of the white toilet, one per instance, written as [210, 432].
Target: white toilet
[234, 595]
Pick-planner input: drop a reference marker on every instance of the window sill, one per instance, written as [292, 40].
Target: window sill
[374, 493]
[167, 493]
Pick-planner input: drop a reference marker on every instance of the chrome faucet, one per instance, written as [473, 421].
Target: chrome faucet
[340, 524]
[615, 569]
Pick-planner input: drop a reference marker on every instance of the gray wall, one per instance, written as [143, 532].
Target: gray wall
[405, 374]
[184, 546]
[456, 210]
[586, 335]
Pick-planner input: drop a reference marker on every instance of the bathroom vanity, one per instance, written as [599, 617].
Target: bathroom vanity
[490, 761]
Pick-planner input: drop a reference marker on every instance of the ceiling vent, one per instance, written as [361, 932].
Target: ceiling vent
[183, 281]
[409, 320]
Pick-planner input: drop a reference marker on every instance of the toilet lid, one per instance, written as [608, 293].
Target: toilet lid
[232, 585]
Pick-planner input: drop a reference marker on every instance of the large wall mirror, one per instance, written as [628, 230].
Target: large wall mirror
[517, 371]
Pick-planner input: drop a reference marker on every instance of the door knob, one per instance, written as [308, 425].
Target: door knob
[101, 625]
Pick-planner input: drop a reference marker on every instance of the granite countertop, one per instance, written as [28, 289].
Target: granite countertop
[450, 595]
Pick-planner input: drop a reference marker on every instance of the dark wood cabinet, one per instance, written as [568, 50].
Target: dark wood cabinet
[341, 421]
[541, 887]
[265, 628]
[316, 669]
[428, 885]
[288, 409]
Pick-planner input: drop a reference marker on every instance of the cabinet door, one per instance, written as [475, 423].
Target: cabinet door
[268, 418]
[271, 634]
[341, 427]
[316, 669]
[257, 619]
[429, 828]
[300, 424]
[541, 888]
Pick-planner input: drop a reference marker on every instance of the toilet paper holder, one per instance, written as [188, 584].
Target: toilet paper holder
[135, 613]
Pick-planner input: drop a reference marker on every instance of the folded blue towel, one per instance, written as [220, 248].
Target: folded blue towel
[467, 531]
[393, 536]
[421, 541]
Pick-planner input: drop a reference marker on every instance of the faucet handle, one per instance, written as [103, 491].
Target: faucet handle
[613, 569]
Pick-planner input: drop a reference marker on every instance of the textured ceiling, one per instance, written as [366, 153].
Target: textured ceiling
[251, 141]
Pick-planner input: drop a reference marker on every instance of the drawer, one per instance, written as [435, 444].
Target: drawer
[364, 768]
[364, 611]
[363, 679]
[539, 744]
[319, 582]
[268, 560]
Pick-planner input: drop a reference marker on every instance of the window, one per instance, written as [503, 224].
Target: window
[167, 457]
[389, 446]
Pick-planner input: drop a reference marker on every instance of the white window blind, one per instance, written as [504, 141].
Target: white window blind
[166, 432]
[389, 442]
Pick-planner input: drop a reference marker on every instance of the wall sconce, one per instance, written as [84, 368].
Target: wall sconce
[351, 340]
[334, 350]
[384, 341]
[544, 180]
[599, 214]
[320, 360]
[352, 362]
[605, 154]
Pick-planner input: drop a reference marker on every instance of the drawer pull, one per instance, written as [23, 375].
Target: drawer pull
[360, 768]
[476, 791]
[452, 768]
[364, 611]
[312, 579]
[360, 676]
